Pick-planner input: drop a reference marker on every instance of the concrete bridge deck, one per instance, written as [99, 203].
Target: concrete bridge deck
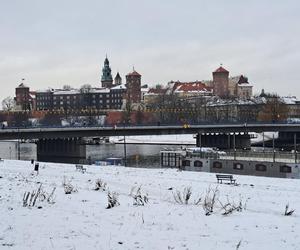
[78, 132]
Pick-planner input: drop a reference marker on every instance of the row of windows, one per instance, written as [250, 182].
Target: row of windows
[171, 160]
[237, 166]
[197, 164]
[258, 167]
[93, 107]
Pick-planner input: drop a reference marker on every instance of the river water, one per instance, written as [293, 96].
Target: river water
[138, 155]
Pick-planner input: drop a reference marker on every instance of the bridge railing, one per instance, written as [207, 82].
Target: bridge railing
[268, 156]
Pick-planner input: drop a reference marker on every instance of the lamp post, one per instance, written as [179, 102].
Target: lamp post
[125, 151]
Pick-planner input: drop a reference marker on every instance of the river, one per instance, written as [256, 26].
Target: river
[138, 155]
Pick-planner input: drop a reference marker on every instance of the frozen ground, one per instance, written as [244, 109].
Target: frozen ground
[80, 220]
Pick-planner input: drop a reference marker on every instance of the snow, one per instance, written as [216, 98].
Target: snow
[81, 221]
[186, 139]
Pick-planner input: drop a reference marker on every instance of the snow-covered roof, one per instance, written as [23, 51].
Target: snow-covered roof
[245, 85]
[99, 90]
[66, 92]
[289, 99]
[191, 87]
[44, 90]
[121, 86]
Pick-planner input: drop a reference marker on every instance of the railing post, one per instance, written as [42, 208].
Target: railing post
[263, 141]
[234, 150]
[125, 151]
[273, 143]
[295, 146]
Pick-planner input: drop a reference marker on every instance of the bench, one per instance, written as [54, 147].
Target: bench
[225, 177]
[80, 168]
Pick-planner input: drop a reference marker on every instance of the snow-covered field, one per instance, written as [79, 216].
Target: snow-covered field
[80, 220]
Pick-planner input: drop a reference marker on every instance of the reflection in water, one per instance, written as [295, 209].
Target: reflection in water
[137, 155]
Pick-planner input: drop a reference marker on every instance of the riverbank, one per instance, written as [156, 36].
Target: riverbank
[81, 220]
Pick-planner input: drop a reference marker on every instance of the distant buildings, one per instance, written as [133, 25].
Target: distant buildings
[110, 96]
[237, 86]
[113, 94]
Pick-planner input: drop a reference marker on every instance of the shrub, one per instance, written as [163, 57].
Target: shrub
[210, 200]
[288, 211]
[139, 198]
[112, 198]
[100, 185]
[184, 196]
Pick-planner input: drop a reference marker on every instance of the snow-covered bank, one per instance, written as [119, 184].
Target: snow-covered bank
[156, 139]
[186, 139]
[81, 221]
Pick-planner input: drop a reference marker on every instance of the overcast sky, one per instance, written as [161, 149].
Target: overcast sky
[58, 42]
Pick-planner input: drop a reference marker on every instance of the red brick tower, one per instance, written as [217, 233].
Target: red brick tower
[221, 82]
[133, 86]
[23, 99]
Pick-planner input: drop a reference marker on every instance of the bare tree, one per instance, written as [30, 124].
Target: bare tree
[67, 87]
[274, 109]
[86, 88]
[8, 103]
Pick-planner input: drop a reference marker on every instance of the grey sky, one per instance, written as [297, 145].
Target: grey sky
[57, 42]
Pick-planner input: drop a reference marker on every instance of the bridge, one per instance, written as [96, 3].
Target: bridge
[64, 144]
[77, 132]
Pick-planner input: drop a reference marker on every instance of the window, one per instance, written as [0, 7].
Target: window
[217, 164]
[198, 164]
[186, 163]
[238, 166]
[260, 167]
[285, 169]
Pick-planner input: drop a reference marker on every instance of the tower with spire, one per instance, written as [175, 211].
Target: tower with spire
[106, 78]
[118, 79]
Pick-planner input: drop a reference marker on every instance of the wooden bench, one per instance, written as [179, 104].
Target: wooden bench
[225, 177]
[80, 168]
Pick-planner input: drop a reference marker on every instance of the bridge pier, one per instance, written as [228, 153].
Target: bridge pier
[223, 141]
[61, 150]
[288, 140]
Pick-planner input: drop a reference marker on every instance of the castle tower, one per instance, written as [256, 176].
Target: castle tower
[106, 79]
[23, 97]
[221, 82]
[118, 79]
[133, 86]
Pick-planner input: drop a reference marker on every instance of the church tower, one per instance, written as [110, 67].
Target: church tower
[106, 79]
[118, 79]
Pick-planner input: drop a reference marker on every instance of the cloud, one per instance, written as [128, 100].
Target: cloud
[65, 42]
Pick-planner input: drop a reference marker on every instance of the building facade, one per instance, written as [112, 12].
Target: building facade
[133, 86]
[74, 99]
